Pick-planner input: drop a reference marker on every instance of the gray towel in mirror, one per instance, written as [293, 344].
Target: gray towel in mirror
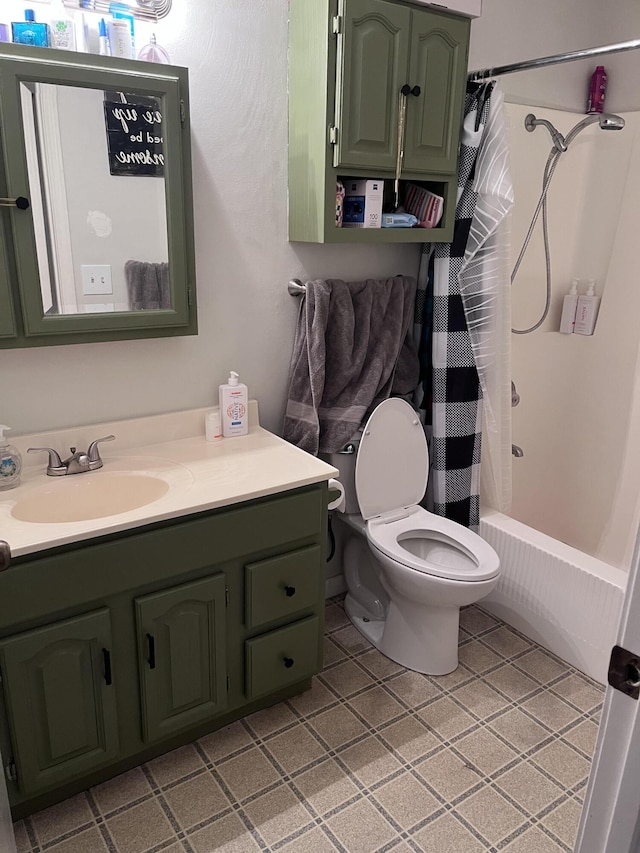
[147, 285]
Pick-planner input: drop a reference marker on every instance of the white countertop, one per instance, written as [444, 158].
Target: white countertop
[201, 475]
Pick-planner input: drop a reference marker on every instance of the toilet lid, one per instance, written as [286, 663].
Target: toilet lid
[392, 467]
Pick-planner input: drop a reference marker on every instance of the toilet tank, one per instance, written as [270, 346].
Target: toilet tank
[345, 461]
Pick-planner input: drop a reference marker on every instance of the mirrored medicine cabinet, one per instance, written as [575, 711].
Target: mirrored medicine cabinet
[96, 211]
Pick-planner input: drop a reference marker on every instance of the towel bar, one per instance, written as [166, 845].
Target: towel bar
[296, 287]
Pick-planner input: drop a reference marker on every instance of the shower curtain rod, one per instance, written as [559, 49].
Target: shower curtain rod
[484, 73]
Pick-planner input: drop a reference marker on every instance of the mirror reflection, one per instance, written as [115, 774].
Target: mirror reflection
[96, 173]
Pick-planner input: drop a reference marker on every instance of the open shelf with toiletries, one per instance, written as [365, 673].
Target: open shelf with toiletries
[367, 79]
[117, 649]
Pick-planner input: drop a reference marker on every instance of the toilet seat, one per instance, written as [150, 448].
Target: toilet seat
[434, 546]
[392, 469]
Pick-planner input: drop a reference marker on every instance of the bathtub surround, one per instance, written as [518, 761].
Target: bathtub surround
[566, 600]
[493, 757]
[578, 484]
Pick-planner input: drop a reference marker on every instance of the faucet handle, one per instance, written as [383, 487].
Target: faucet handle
[94, 453]
[56, 465]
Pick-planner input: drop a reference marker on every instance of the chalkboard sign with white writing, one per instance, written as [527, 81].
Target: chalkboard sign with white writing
[134, 138]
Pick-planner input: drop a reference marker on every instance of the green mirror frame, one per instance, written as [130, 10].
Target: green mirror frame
[22, 318]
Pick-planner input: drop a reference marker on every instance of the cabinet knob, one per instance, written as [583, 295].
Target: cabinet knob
[20, 202]
[416, 91]
[288, 662]
[405, 90]
[290, 591]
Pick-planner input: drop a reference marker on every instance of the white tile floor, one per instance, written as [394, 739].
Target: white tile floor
[375, 758]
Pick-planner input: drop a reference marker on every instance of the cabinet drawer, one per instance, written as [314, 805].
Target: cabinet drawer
[282, 586]
[282, 657]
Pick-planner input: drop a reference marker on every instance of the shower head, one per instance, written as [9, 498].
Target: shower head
[608, 121]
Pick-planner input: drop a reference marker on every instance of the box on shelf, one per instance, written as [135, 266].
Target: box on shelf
[362, 206]
[427, 206]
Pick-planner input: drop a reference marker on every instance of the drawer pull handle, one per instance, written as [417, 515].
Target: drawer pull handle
[290, 591]
[152, 651]
[288, 662]
[106, 657]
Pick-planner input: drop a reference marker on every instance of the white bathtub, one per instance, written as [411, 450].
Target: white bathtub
[563, 599]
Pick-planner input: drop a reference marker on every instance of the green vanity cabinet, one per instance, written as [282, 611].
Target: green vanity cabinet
[348, 61]
[60, 695]
[118, 649]
[182, 655]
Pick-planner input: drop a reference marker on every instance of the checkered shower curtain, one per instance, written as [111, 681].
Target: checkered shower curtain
[451, 394]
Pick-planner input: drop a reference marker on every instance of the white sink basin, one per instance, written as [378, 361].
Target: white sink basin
[81, 497]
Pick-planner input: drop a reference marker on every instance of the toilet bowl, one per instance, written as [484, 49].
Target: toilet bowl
[407, 571]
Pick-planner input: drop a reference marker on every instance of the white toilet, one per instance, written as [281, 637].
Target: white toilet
[407, 571]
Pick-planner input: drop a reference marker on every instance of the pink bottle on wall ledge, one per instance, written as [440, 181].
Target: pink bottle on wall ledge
[597, 89]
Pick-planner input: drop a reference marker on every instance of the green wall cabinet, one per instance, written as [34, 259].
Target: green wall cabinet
[348, 61]
[115, 650]
[48, 243]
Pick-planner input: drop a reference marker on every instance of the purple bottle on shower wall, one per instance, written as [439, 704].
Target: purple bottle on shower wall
[597, 90]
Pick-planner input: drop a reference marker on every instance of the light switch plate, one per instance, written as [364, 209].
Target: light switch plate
[96, 279]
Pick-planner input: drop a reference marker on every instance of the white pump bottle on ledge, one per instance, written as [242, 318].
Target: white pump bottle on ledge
[234, 407]
[587, 311]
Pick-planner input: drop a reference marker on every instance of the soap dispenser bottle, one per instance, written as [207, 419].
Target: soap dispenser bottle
[587, 311]
[234, 407]
[10, 462]
[569, 308]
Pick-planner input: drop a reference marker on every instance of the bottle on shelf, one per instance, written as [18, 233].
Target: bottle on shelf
[569, 308]
[62, 31]
[587, 310]
[30, 31]
[597, 90]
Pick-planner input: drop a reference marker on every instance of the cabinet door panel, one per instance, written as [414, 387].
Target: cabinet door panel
[438, 64]
[182, 656]
[63, 714]
[372, 67]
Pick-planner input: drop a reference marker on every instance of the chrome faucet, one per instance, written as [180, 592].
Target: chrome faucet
[78, 463]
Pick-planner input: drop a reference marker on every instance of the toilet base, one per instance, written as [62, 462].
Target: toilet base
[369, 626]
[421, 638]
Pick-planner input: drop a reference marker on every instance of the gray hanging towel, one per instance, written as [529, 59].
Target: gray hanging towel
[352, 349]
[147, 285]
